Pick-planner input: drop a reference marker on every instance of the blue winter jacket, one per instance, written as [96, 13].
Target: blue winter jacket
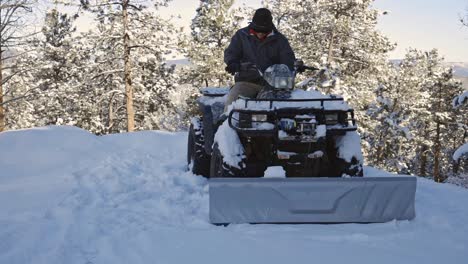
[245, 47]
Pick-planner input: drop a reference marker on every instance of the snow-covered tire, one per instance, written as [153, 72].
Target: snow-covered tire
[197, 159]
[353, 168]
[218, 168]
[353, 164]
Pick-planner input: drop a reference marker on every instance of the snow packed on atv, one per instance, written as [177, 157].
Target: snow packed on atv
[306, 132]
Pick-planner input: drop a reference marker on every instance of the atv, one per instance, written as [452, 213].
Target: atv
[310, 135]
[307, 133]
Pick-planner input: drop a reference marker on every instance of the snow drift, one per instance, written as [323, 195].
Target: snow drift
[68, 196]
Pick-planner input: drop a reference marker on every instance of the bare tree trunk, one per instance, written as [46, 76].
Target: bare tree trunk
[455, 166]
[331, 46]
[111, 117]
[2, 109]
[423, 165]
[437, 176]
[128, 70]
[424, 149]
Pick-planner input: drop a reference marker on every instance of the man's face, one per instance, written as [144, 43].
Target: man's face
[260, 35]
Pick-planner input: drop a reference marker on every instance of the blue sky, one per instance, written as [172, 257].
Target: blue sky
[422, 24]
[426, 24]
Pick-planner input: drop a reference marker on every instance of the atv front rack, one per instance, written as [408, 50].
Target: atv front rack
[272, 101]
[274, 114]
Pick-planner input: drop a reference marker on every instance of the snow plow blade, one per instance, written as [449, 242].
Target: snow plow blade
[311, 200]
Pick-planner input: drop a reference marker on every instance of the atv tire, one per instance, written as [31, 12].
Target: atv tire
[219, 169]
[338, 166]
[197, 158]
[353, 168]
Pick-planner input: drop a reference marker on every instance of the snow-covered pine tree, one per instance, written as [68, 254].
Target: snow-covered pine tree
[55, 101]
[446, 134]
[417, 130]
[214, 24]
[127, 69]
[20, 92]
[460, 156]
[12, 37]
[52, 84]
[156, 82]
[399, 104]
[128, 27]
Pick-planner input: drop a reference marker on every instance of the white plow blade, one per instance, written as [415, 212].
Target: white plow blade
[311, 200]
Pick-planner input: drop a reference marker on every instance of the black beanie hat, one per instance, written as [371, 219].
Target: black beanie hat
[262, 21]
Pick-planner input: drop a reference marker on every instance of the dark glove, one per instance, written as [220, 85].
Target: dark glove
[301, 68]
[233, 68]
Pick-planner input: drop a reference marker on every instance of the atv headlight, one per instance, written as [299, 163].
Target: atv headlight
[331, 119]
[279, 76]
[284, 82]
[259, 118]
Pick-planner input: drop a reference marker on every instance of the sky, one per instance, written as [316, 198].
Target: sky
[421, 24]
[426, 24]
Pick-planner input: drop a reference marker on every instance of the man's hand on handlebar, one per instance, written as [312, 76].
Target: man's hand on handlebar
[300, 67]
[304, 68]
[233, 68]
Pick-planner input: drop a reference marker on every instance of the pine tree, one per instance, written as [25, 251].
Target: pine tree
[416, 129]
[12, 37]
[56, 69]
[215, 23]
[443, 89]
[399, 104]
[129, 46]
[50, 86]
[126, 26]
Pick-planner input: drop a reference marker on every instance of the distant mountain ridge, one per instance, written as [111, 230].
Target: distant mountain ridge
[460, 69]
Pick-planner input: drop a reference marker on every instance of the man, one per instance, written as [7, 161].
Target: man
[261, 44]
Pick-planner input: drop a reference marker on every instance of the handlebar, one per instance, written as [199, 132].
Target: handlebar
[311, 68]
[299, 67]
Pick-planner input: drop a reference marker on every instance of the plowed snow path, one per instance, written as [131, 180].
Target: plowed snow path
[67, 196]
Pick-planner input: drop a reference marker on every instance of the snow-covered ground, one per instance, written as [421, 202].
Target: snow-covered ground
[463, 150]
[67, 196]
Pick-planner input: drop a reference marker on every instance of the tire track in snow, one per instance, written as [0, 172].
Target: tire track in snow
[127, 194]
